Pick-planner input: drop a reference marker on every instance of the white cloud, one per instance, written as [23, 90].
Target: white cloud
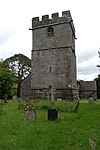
[88, 69]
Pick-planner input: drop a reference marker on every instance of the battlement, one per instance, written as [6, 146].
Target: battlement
[66, 17]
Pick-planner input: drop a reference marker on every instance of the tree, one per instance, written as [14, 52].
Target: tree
[20, 65]
[99, 57]
[98, 86]
[98, 81]
[6, 80]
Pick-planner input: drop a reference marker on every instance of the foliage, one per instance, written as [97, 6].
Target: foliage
[98, 86]
[14, 89]
[6, 80]
[99, 57]
[20, 65]
[65, 106]
[1, 106]
[98, 81]
[61, 106]
[72, 131]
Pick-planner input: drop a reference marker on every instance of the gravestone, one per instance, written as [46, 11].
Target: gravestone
[52, 114]
[29, 112]
[59, 99]
[91, 100]
[14, 98]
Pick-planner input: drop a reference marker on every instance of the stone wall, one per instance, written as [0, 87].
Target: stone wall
[87, 88]
[53, 58]
[55, 19]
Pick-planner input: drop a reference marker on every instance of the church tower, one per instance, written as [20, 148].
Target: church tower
[53, 57]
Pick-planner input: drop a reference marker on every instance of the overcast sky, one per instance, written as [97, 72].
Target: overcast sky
[15, 21]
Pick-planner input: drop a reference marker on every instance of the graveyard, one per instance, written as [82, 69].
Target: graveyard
[71, 130]
[49, 113]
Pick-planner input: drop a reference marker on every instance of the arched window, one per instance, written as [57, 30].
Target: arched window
[50, 32]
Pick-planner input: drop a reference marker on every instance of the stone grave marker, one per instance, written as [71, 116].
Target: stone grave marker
[59, 99]
[29, 112]
[91, 100]
[14, 98]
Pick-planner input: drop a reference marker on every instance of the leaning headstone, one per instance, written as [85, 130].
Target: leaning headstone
[91, 100]
[29, 112]
[14, 98]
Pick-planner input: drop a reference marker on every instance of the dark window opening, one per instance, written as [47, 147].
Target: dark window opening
[50, 32]
[50, 69]
[49, 87]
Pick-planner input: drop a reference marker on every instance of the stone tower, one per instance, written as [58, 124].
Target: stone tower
[53, 57]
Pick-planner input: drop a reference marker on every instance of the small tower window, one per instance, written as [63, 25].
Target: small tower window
[50, 69]
[49, 87]
[50, 32]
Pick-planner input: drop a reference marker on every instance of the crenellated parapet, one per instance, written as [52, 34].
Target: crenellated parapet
[54, 20]
[66, 17]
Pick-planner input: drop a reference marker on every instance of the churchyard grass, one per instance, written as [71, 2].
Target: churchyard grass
[72, 131]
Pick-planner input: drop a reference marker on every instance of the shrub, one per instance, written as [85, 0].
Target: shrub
[43, 104]
[63, 106]
[1, 105]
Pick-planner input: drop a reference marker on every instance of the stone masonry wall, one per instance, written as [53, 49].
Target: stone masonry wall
[87, 88]
[53, 58]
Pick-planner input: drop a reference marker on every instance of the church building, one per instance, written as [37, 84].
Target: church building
[53, 72]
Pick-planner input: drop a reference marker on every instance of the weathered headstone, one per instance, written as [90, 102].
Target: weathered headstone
[59, 99]
[91, 100]
[29, 112]
[14, 98]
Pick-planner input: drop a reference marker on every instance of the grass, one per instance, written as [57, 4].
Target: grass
[72, 131]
